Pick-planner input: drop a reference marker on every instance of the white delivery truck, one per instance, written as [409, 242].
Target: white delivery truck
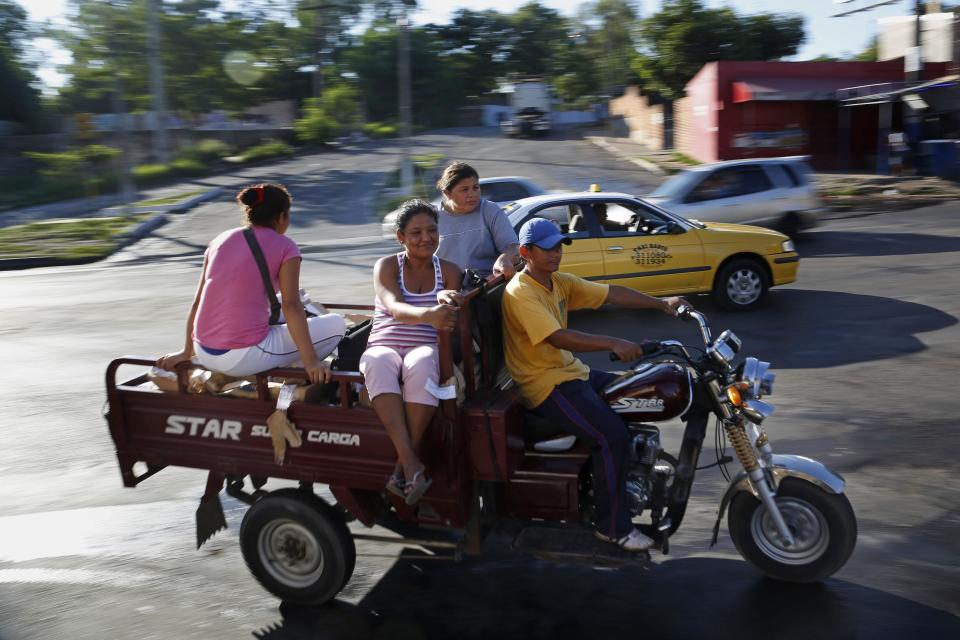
[530, 103]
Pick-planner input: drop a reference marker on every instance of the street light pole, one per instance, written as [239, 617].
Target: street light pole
[122, 131]
[403, 79]
[320, 38]
[916, 66]
[160, 145]
[319, 44]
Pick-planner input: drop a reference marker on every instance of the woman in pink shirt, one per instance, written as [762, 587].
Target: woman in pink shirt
[228, 329]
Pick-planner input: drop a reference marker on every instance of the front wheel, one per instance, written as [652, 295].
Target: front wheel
[740, 285]
[298, 547]
[823, 526]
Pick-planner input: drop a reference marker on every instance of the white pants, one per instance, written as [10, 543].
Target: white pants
[277, 349]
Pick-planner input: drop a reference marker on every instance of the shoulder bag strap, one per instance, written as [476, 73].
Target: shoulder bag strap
[264, 273]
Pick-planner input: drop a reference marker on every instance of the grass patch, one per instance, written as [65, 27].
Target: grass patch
[380, 129]
[66, 239]
[264, 150]
[423, 166]
[159, 202]
[854, 190]
[683, 158]
[842, 191]
[146, 173]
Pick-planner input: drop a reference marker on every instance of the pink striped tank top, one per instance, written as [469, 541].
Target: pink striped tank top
[388, 332]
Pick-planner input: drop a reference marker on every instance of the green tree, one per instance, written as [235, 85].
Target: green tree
[336, 112]
[213, 59]
[684, 35]
[870, 53]
[21, 101]
[580, 77]
[437, 89]
[478, 45]
[538, 36]
[613, 44]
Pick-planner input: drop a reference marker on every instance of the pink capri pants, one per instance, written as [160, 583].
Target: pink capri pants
[385, 368]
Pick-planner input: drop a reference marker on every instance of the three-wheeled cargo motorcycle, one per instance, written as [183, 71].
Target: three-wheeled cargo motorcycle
[495, 467]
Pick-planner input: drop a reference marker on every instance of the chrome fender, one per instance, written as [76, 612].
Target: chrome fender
[784, 466]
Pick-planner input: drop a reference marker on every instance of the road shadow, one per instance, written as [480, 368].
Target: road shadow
[795, 329]
[512, 596]
[842, 244]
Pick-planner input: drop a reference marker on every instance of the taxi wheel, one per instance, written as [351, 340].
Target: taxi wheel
[740, 285]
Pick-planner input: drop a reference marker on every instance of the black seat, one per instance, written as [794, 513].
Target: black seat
[543, 435]
[536, 428]
[485, 309]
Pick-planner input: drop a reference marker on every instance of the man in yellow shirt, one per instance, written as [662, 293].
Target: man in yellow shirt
[557, 386]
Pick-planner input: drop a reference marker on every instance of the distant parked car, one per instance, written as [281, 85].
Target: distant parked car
[501, 189]
[772, 192]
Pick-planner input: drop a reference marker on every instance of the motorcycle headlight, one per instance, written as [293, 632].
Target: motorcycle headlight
[788, 245]
[757, 377]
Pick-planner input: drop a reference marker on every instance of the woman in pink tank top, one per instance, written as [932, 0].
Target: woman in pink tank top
[415, 299]
[228, 328]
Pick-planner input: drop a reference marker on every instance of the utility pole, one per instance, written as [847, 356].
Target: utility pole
[320, 39]
[122, 131]
[915, 57]
[403, 79]
[160, 145]
[319, 42]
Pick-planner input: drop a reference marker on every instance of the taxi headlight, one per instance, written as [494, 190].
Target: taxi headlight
[788, 246]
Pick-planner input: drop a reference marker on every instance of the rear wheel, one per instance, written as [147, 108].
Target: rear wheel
[823, 526]
[298, 547]
[740, 285]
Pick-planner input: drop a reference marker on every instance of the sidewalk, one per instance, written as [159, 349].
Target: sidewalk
[842, 191]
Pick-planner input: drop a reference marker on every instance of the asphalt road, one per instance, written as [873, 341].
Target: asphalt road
[865, 345]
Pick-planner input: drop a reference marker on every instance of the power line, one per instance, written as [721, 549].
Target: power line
[867, 8]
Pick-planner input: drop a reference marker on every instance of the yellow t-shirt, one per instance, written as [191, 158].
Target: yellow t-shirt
[530, 315]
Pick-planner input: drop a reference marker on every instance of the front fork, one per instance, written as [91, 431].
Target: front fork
[747, 439]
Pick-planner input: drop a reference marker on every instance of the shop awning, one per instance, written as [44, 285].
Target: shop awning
[793, 89]
[896, 93]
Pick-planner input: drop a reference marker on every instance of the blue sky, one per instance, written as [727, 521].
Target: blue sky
[825, 35]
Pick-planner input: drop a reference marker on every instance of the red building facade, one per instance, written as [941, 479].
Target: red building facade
[738, 110]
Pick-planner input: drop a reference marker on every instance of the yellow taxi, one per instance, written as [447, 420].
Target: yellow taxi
[620, 239]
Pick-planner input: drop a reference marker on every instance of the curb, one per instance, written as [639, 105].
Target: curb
[178, 207]
[646, 165]
[142, 230]
[139, 232]
[190, 203]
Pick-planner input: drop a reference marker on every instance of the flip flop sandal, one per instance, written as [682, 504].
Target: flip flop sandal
[416, 488]
[396, 486]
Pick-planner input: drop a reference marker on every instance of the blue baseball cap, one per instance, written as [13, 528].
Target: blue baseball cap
[543, 233]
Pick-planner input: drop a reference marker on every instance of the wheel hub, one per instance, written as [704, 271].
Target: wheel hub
[291, 553]
[807, 525]
[744, 286]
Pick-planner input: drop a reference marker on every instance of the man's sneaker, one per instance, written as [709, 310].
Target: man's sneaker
[633, 541]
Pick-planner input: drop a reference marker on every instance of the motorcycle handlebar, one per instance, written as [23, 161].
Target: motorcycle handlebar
[647, 347]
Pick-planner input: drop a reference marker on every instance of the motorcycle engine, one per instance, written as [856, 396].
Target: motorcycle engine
[644, 450]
